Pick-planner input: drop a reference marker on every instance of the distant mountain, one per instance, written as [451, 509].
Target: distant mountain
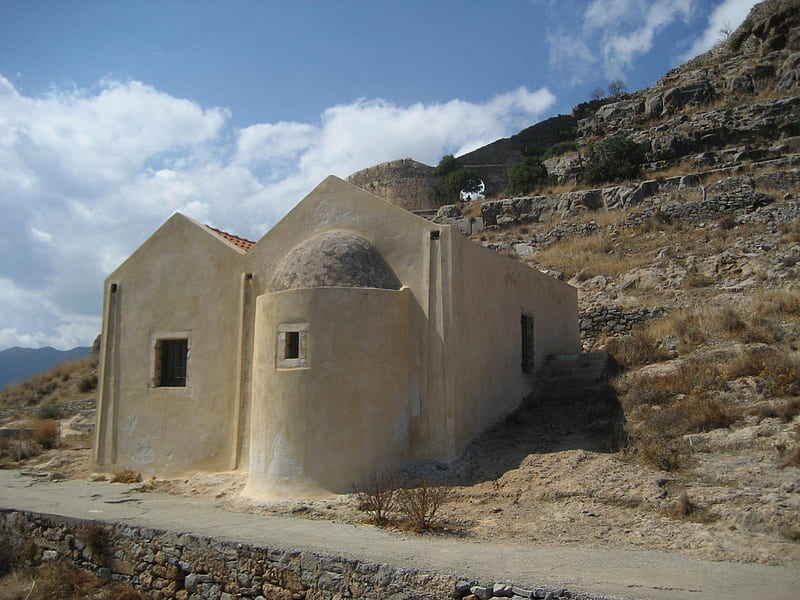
[17, 363]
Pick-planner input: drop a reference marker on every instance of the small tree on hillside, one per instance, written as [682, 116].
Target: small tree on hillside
[615, 158]
[451, 179]
[597, 93]
[617, 87]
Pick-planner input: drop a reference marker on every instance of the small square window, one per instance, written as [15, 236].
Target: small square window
[172, 357]
[292, 347]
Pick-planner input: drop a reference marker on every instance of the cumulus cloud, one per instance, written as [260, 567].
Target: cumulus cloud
[612, 34]
[86, 175]
[728, 15]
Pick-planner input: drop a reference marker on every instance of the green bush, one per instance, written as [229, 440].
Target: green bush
[527, 175]
[48, 410]
[559, 148]
[87, 383]
[616, 158]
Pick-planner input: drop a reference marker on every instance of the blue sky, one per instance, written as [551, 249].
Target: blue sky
[113, 115]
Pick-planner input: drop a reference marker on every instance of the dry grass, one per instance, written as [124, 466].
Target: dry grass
[591, 256]
[635, 350]
[659, 451]
[693, 327]
[785, 411]
[63, 580]
[685, 509]
[126, 476]
[784, 302]
[778, 372]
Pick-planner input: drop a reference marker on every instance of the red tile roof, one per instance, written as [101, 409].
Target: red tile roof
[241, 242]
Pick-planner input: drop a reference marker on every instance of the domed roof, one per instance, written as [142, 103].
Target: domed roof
[335, 258]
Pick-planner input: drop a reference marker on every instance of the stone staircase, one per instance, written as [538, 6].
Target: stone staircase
[575, 395]
[575, 374]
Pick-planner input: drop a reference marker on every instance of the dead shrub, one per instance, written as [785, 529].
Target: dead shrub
[94, 536]
[124, 592]
[126, 476]
[702, 413]
[791, 457]
[748, 363]
[729, 322]
[791, 533]
[12, 451]
[645, 391]
[378, 497]
[694, 376]
[727, 222]
[635, 350]
[696, 279]
[782, 376]
[47, 433]
[420, 504]
[660, 451]
[685, 508]
[62, 580]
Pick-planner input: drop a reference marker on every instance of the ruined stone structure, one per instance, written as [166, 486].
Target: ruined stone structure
[353, 337]
[405, 183]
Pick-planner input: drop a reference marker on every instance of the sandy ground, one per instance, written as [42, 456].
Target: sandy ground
[517, 484]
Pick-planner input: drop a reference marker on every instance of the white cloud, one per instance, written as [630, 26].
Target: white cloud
[729, 14]
[87, 174]
[611, 35]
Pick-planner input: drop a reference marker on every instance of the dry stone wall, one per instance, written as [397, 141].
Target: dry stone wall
[177, 566]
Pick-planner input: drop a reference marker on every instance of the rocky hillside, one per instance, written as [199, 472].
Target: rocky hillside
[688, 274]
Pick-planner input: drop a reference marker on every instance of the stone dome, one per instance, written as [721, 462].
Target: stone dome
[335, 258]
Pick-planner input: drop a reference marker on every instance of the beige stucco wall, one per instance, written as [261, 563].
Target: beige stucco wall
[490, 292]
[324, 427]
[184, 279]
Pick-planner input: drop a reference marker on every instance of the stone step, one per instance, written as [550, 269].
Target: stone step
[587, 372]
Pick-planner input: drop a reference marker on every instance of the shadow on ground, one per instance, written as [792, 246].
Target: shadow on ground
[562, 414]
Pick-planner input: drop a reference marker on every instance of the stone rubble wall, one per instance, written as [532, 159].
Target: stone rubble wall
[167, 566]
[597, 322]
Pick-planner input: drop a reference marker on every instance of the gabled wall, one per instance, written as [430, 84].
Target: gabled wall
[183, 280]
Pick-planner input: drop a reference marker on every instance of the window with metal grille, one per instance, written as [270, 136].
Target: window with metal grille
[526, 328]
[171, 360]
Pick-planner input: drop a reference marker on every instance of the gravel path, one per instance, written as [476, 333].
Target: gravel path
[627, 573]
